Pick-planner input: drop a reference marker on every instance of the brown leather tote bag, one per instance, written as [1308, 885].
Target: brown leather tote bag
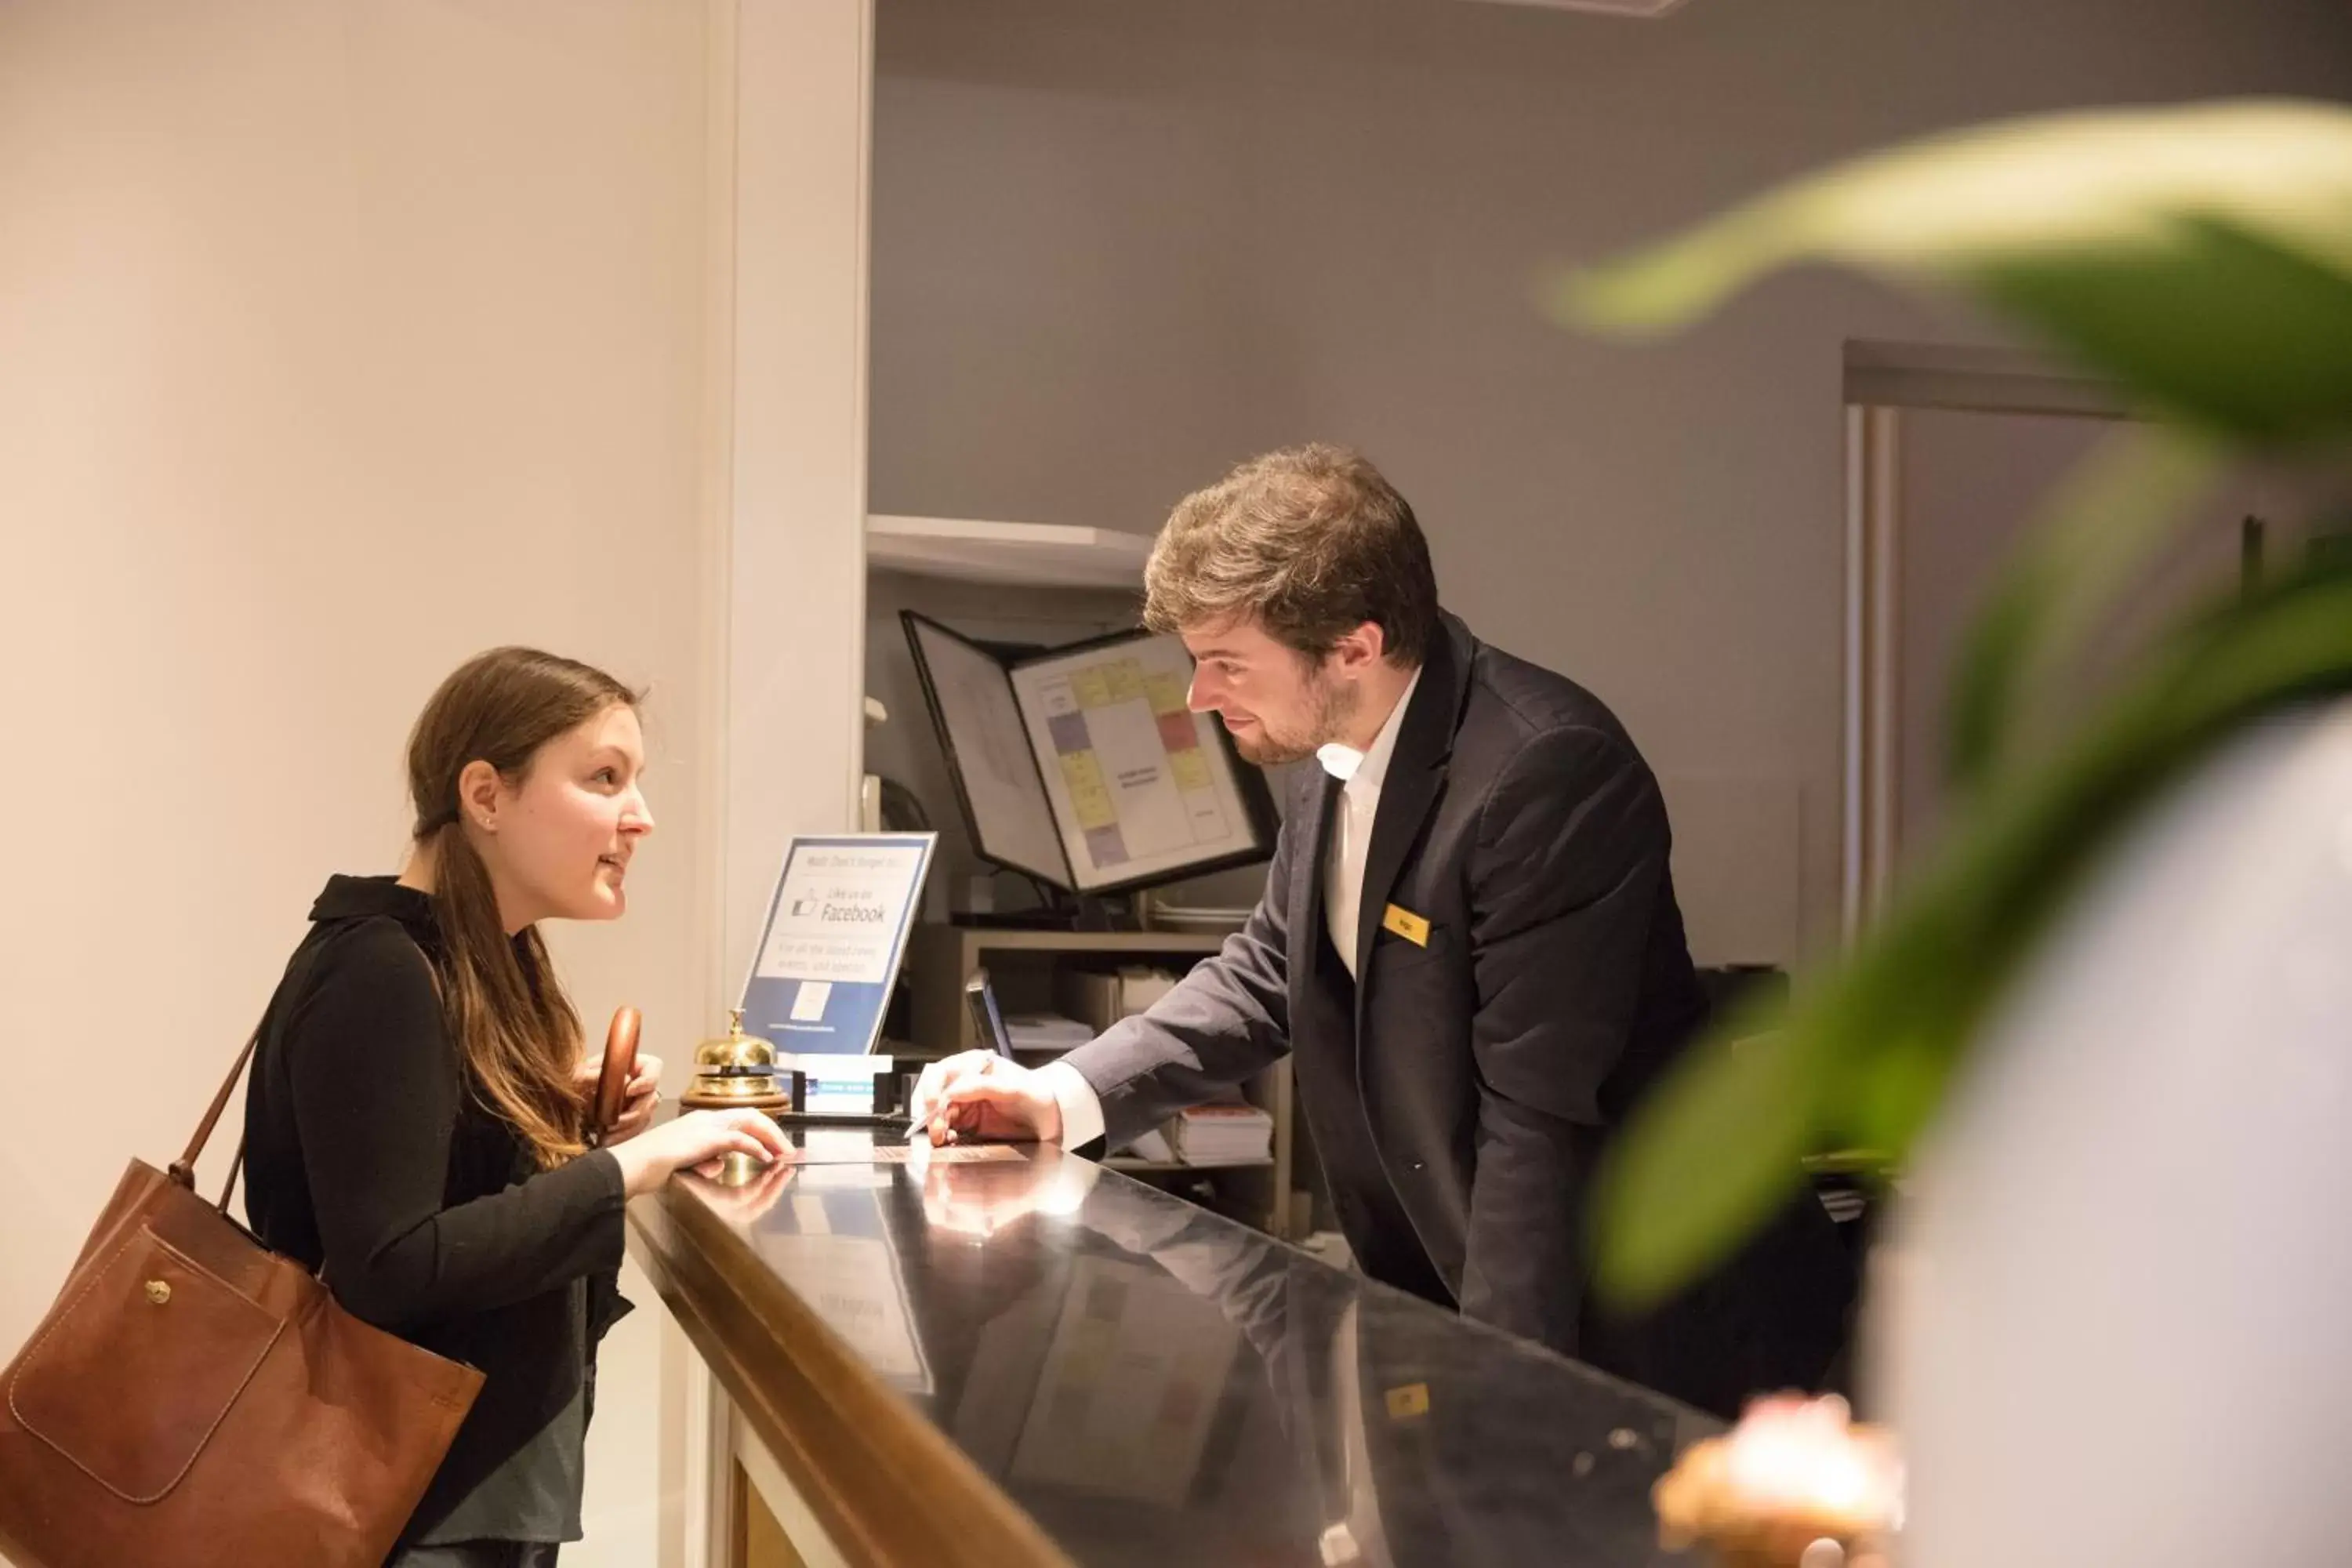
[193, 1399]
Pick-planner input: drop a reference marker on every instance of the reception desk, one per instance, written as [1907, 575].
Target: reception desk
[1008, 1356]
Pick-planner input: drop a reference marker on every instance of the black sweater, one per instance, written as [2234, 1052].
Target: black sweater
[367, 1150]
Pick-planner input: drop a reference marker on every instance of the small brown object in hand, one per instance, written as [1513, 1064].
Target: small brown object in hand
[620, 1066]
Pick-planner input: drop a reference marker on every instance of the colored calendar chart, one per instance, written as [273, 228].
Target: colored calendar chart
[1084, 767]
[1082, 771]
[1139, 781]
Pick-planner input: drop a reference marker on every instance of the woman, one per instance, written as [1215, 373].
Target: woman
[416, 1118]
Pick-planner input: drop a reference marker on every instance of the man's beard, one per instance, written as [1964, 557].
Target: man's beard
[1330, 706]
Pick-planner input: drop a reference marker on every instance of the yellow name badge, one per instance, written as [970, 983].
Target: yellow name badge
[1408, 1402]
[1406, 924]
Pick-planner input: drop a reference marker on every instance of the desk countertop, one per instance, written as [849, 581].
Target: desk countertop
[1146, 1382]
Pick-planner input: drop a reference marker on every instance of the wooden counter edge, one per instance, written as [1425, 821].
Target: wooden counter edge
[887, 1485]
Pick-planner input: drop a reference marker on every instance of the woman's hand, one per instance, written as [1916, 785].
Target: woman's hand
[642, 1098]
[743, 1202]
[696, 1137]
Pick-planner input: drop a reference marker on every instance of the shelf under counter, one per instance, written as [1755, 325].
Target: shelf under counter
[1017, 1356]
[1132, 1166]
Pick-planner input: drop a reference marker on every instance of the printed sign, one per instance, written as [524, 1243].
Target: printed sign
[836, 931]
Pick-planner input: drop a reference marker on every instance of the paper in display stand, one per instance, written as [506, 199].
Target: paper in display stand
[836, 934]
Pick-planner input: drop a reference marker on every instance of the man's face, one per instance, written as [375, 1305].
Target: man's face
[1276, 703]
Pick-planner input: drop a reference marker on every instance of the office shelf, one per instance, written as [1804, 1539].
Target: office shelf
[1022, 554]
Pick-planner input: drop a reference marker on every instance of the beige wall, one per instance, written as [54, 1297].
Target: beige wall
[336, 342]
[1118, 247]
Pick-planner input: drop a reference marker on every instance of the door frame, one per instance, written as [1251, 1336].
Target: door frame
[1883, 381]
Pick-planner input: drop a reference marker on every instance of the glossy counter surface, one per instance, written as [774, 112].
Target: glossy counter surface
[1148, 1382]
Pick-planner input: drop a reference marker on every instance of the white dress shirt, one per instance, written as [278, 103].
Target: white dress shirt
[1360, 775]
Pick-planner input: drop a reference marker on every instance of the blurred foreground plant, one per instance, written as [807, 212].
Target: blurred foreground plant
[2199, 259]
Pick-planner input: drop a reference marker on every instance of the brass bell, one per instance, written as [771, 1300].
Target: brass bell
[735, 1069]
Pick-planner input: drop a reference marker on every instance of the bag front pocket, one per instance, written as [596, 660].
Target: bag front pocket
[134, 1371]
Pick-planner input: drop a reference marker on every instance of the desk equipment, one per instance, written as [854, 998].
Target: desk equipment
[1082, 766]
[987, 1016]
[736, 1069]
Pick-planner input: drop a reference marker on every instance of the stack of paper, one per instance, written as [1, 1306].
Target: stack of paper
[1152, 1145]
[1222, 1134]
[1044, 1032]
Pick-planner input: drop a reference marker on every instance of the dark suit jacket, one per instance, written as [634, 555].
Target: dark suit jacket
[1460, 1090]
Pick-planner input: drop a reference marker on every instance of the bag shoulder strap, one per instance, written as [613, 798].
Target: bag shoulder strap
[184, 1169]
[236, 1165]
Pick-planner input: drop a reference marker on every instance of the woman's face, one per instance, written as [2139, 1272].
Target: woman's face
[561, 839]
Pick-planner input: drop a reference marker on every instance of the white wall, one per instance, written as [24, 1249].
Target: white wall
[1118, 247]
[336, 343]
[794, 139]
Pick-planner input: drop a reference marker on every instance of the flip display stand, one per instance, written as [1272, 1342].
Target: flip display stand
[1050, 749]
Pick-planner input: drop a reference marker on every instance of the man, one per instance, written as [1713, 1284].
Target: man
[1468, 940]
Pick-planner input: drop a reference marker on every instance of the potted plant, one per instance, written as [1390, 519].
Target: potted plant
[2106, 1028]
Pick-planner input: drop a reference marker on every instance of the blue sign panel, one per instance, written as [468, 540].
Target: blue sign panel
[836, 931]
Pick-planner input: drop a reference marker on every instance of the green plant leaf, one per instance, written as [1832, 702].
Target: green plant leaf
[1706, 1157]
[2100, 530]
[1866, 1050]
[2199, 256]
[1929, 974]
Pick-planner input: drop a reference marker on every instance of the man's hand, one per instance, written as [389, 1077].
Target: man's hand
[977, 1094]
[980, 1199]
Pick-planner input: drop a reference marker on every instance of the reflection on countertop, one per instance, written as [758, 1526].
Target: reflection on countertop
[1154, 1384]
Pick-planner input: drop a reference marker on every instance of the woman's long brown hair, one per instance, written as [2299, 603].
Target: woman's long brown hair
[515, 1028]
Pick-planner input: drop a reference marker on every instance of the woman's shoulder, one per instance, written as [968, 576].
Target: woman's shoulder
[371, 945]
[363, 971]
